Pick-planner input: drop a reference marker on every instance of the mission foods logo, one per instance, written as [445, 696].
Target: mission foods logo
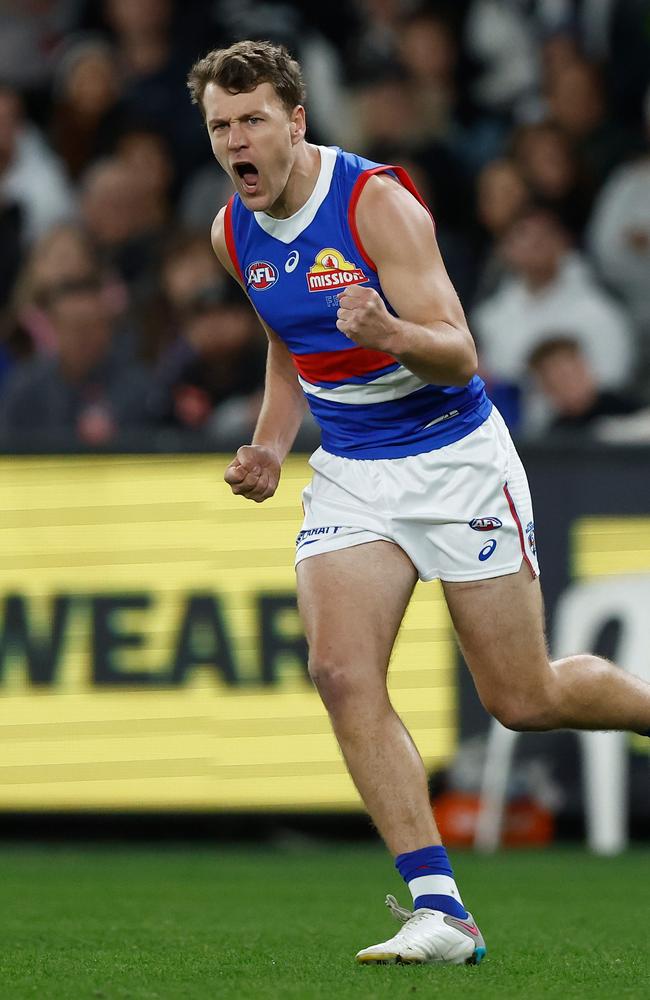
[261, 275]
[331, 270]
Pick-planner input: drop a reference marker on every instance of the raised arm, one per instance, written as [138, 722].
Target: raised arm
[254, 473]
[429, 335]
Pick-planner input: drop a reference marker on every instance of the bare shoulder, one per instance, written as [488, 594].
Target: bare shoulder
[388, 216]
[218, 236]
[219, 245]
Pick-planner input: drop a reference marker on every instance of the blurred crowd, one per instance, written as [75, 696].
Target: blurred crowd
[524, 123]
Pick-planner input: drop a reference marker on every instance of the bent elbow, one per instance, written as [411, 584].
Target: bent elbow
[467, 368]
[472, 361]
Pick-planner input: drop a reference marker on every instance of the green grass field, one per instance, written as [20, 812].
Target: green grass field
[182, 922]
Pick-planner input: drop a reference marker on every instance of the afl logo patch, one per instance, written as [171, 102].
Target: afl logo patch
[485, 523]
[261, 275]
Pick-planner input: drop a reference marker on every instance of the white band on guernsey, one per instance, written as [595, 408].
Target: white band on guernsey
[434, 885]
[393, 385]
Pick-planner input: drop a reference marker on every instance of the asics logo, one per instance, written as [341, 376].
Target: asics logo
[487, 549]
[292, 261]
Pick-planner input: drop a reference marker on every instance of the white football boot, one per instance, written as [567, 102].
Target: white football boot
[427, 936]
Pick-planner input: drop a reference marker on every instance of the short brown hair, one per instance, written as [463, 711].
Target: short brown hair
[554, 344]
[242, 67]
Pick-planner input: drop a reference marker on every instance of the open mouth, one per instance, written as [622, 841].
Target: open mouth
[249, 175]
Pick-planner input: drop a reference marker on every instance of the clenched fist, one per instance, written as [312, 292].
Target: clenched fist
[254, 473]
[363, 317]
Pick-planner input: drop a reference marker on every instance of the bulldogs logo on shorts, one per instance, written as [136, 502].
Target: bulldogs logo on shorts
[530, 535]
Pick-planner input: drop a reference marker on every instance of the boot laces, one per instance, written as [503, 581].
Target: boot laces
[403, 915]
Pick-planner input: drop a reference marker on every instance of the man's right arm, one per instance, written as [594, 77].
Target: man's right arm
[254, 473]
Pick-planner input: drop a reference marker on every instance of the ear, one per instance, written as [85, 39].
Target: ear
[297, 124]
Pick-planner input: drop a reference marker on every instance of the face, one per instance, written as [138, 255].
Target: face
[62, 255]
[91, 86]
[112, 202]
[220, 333]
[254, 139]
[145, 16]
[83, 330]
[502, 193]
[575, 99]
[565, 377]
[145, 154]
[547, 161]
[187, 273]
[427, 49]
[534, 246]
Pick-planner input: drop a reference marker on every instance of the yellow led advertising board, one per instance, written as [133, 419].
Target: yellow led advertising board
[151, 655]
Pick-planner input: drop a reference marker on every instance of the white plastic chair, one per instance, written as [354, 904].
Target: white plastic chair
[582, 611]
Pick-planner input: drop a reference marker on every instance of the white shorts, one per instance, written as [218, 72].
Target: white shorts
[462, 512]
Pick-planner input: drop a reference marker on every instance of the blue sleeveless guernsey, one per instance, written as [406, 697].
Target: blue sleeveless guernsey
[366, 403]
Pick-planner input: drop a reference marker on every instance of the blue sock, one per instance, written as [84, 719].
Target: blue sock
[429, 876]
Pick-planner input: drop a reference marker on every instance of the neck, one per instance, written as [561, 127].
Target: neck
[302, 181]
[539, 279]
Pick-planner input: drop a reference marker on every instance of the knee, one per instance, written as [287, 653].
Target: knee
[522, 710]
[335, 682]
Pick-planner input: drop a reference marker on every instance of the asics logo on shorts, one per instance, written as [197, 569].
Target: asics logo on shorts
[487, 549]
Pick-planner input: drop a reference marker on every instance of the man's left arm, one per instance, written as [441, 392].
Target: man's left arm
[429, 335]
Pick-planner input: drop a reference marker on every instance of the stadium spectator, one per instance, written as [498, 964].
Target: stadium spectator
[145, 153]
[396, 135]
[64, 254]
[501, 41]
[219, 355]
[568, 383]
[554, 173]
[372, 40]
[153, 64]
[86, 113]
[30, 34]
[205, 191]
[577, 102]
[619, 240]
[188, 267]
[30, 175]
[427, 50]
[125, 216]
[428, 53]
[87, 388]
[550, 287]
[501, 196]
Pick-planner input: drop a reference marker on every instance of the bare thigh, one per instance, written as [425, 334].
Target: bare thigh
[500, 629]
[352, 602]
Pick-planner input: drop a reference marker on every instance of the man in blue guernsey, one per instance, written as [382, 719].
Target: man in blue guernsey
[416, 477]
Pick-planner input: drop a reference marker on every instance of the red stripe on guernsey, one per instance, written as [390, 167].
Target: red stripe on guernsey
[335, 366]
[513, 511]
[359, 185]
[230, 238]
